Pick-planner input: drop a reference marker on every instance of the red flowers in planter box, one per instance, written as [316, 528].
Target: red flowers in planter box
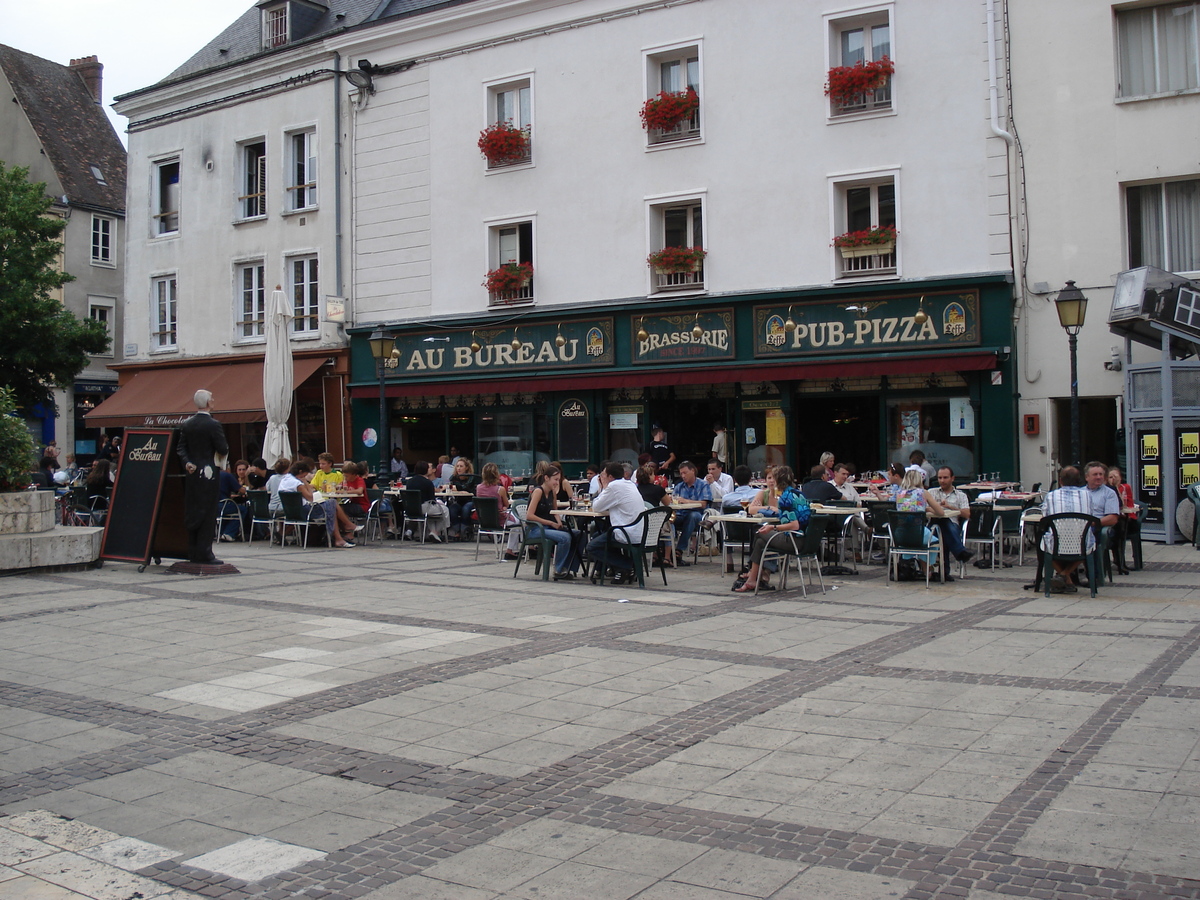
[676, 260]
[508, 279]
[867, 237]
[504, 142]
[848, 82]
[669, 108]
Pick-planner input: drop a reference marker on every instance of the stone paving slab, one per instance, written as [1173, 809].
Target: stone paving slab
[421, 725]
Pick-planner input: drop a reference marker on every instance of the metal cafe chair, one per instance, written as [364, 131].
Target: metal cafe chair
[806, 548]
[299, 516]
[1069, 533]
[907, 533]
[490, 523]
[260, 513]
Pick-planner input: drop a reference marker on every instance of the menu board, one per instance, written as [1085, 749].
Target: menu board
[133, 528]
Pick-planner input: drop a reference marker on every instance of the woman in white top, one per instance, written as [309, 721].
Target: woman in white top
[295, 481]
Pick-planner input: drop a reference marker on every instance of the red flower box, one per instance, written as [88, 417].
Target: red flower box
[669, 108]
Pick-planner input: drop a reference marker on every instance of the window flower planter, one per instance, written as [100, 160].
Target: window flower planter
[507, 281]
[668, 109]
[676, 260]
[848, 84]
[504, 143]
[866, 242]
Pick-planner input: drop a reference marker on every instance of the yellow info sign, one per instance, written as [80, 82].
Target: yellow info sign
[1150, 478]
[1189, 445]
[1189, 474]
[1149, 446]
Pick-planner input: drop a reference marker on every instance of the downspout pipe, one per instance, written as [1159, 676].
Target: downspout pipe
[993, 77]
[337, 177]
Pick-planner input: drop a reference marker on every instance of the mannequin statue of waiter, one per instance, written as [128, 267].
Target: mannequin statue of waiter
[201, 442]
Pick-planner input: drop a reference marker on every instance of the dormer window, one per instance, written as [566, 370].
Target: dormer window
[286, 21]
[275, 26]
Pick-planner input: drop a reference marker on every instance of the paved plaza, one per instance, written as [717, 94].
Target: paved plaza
[405, 722]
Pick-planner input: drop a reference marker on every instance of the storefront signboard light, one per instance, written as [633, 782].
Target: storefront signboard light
[920, 322]
[693, 336]
[586, 344]
[621, 421]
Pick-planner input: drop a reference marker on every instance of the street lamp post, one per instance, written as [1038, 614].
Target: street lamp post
[1072, 309]
[383, 348]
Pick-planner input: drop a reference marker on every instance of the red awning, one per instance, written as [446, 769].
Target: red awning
[162, 397]
[901, 365]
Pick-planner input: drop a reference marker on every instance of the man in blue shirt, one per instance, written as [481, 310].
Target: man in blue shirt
[732, 500]
[686, 520]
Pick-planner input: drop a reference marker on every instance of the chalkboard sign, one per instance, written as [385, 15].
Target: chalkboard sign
[133, 529]
[573, 431]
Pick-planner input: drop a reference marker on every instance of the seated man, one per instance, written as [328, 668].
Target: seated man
[233, 499]
[686, 520]
[326, 478]
[958, 508]
[437, 516]
[732, 500]
[1071, 497]
[1103, 501]
[816, 489]
[621, 500]
[717, 480]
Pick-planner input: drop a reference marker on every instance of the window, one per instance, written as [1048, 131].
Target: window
[166, 196]
[511, 104]
[102, 234]
[302, 169]
[101, 309]
[164, 313]
[252, 299]
[674, 71]
[253, 201]
[1164, 225]
[512, 244]
[305, 306]
[1158, 49]
[862, 205]
[678, 223]
[275, 26]
[866, 39]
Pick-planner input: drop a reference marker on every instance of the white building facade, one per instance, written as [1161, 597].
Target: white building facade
[796, 345]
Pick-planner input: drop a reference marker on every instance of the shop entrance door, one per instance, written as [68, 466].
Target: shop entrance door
[689, 426]
[847, 427]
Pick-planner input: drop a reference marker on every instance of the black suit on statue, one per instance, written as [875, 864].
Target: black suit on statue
[201, 440]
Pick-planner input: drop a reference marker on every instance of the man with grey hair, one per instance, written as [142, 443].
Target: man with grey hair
[201, 441]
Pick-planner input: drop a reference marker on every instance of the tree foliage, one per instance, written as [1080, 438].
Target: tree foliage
[18, 453]
[42, 343]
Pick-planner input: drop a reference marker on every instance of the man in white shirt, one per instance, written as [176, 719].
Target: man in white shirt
[720, 446]
[619, 498]
[719, 481]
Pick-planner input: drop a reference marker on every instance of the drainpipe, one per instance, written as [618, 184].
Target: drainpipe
[993, 87]
[337, 176]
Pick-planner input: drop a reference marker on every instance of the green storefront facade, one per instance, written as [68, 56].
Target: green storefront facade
[869, 373]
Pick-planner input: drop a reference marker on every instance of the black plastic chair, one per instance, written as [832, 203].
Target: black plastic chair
[544, 546]
[806, 547]
[414, 516]
[490, 523]
[651, 522]
[985, 529]
[299, 515]
[260, 513]
[907, 532]
[1069, 535]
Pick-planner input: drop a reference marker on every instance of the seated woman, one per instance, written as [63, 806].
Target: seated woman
[279, 470]
[566, 490]
[543, 525]
[912, 496]
[1127, 522]
[337, 526]
[460, 508]
[767, 501]
[492, 486]
[233, 487]
[793, 510]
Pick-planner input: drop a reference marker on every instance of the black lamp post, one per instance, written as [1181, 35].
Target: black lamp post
[1072, 309]
[383, 348]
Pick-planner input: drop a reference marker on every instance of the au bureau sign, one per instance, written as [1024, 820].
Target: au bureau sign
[915, 322]
[496, 350]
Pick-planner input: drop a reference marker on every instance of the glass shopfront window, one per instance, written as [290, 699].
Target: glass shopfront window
[763, 438]
[511, 440]
[942, 428]
[625, 433]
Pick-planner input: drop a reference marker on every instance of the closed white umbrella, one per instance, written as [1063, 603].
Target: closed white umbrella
[278, 378]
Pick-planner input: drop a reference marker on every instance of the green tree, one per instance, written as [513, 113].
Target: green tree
[42, 343]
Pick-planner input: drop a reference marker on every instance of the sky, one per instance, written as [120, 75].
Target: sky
[139, 42]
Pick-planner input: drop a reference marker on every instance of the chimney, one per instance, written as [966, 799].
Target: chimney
[91, 71]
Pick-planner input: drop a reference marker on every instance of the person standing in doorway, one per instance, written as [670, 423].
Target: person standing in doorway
[660, 454]
[720, 446]
[201, 442]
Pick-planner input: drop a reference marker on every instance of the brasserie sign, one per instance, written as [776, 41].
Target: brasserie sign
[540, 347]
[695, 336]
[911, 322]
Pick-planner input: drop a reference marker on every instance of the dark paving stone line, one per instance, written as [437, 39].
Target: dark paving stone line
[1000, 832]
[87, 768]
[992, 680]
[1179, 692]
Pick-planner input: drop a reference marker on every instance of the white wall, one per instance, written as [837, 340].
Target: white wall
[1080, 148]
[764, 166]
